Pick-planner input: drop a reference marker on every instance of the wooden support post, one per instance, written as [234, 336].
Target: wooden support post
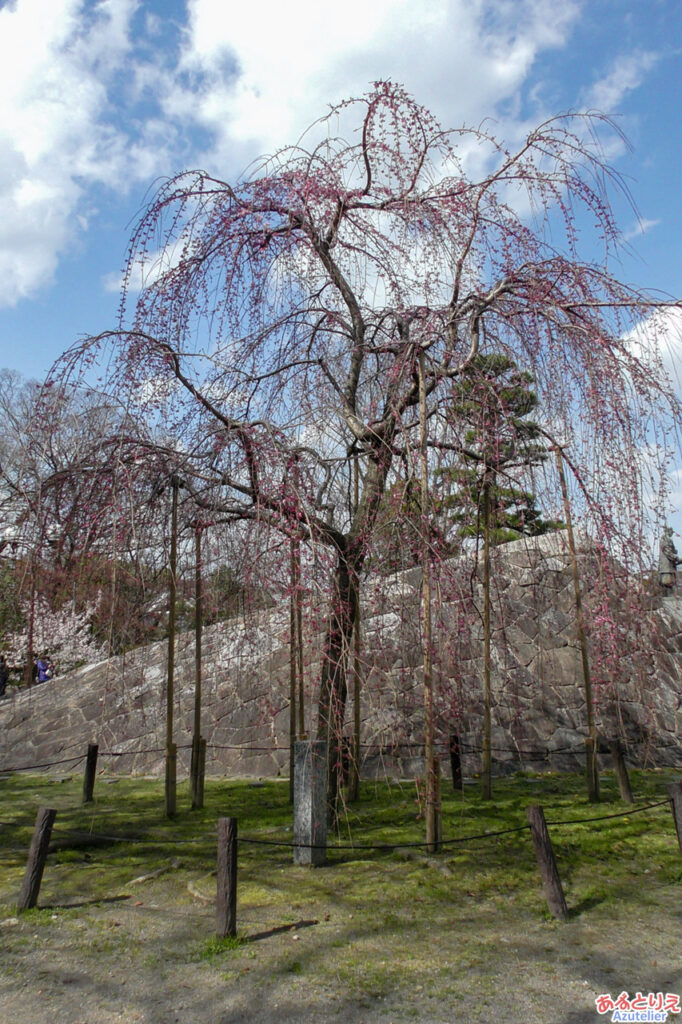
[621, 770]
[547, 862]
[293, 641]
[196, 769]
[171, 779]
[226, 902]
[591, 763]
[675, 794]
[202, 770]
[592, 767]
[456, 763]
[90, 772]
[436, 832]
[198, 772]
[37, 855]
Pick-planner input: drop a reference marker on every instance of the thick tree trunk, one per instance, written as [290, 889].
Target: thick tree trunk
[334, 675]
[351, 551]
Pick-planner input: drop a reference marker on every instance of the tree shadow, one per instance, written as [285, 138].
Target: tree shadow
[280, 929]
[584, 905]
[85, 903]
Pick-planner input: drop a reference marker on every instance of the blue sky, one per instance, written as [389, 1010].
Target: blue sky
[100, 99]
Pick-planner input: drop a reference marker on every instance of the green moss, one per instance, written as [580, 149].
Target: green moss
[390, 923]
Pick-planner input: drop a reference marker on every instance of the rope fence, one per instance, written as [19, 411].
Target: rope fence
[228, 842]
[372, 749]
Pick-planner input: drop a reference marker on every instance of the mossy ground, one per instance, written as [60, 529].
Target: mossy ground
[369, 937]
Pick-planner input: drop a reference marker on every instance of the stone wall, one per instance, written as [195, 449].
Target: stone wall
[539, 707]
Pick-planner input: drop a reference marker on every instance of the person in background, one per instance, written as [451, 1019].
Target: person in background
[4, 675]
[44, 669]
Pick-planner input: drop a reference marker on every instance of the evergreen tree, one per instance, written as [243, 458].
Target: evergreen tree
[493, 400]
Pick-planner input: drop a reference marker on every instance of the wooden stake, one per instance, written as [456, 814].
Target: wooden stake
[37, 855]
[226, 901]
[90, 773]
[544, 853]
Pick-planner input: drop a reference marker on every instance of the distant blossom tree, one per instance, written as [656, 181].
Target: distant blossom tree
[286, 315]
[65, 636]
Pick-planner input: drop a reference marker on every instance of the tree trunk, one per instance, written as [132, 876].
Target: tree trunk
[351, 550]
[334, 681]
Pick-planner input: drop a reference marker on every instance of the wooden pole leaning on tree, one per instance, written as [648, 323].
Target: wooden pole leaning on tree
[37, 855]
[591, 741]
[90, 773]
[226, 900]
[544, 853]
[431, 764]
[171, 749]
[198, 765]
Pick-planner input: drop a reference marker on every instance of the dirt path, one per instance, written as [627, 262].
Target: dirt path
[146, 957]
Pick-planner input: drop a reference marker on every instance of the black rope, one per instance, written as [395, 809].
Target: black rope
[224, 746]
[131, 753]
[606, 817]
[388, 751]
[47, 764]
[160, 840]
[381, 846]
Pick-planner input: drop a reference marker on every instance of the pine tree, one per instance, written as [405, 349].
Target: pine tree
[493, 400]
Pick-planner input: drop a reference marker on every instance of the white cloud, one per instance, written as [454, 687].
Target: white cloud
[95, 93]
[58, 62]
[50, 135]
[263, 79]
[625, 75]
[641, 226]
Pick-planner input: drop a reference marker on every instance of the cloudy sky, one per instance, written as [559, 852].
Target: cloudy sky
[100, 99]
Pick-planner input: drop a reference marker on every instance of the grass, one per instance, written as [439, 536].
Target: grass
[102, 846]
[370, 923]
